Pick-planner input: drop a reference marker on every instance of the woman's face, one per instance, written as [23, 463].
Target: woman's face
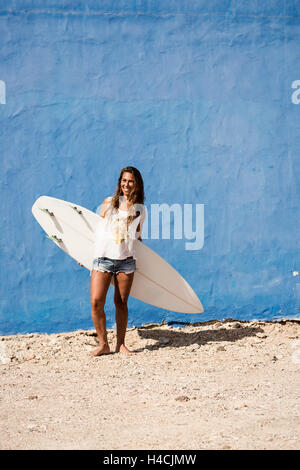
[127, 183]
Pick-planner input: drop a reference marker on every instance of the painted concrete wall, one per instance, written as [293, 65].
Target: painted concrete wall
[203, 97]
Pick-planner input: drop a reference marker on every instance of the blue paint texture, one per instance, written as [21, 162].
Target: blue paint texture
[198, 96]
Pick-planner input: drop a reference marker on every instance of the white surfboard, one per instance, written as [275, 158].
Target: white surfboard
[72, 228]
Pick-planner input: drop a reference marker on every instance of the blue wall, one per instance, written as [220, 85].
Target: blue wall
[197, 95]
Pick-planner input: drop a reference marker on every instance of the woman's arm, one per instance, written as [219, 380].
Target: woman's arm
[104, 207]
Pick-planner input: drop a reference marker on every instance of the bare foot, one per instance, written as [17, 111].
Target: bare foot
[123, 349]
[100, 351]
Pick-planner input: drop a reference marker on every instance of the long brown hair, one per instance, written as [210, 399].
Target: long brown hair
[138, 195]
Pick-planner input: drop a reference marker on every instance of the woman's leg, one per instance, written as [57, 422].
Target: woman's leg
[123, 283]
[100, 282]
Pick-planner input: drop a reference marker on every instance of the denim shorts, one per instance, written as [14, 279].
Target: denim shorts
[114, 266]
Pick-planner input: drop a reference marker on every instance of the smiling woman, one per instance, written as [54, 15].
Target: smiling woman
[114, 255]
[127, 183]
[130, 186]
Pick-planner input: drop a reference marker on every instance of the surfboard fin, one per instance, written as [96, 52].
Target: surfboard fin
[54, 238]
[76, 209]
[46, 211]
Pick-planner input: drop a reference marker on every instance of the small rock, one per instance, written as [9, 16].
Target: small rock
[221, 348]
[182, 398]
[192, 347]
[35, 427]
[240, 405]
[32, 397]
[32, 427]
[92, 333]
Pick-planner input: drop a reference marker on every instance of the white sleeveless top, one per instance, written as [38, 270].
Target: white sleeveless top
[114, 238]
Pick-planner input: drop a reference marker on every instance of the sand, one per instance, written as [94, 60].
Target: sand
[214, 385]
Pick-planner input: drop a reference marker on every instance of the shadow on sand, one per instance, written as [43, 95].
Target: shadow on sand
[175, 338]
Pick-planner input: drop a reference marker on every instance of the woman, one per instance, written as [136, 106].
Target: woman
[121, 222]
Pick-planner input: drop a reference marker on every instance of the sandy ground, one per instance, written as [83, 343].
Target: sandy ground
[214, 385]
